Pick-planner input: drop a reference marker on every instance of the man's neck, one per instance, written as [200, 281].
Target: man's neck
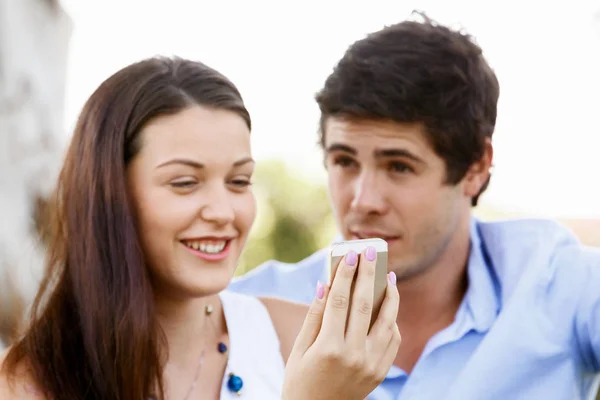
[434, 295]
[429, 301]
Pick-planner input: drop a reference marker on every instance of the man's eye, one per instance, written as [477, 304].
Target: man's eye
[344, 162]
[400, 167]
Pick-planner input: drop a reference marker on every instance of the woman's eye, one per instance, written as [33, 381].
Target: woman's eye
[183, 184]
[241, 183]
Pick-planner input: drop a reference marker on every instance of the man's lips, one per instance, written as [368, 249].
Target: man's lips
[371, 235]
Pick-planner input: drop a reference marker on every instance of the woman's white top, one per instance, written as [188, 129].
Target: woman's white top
[254, 353]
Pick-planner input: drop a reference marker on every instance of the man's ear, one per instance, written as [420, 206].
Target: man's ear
[479, 172]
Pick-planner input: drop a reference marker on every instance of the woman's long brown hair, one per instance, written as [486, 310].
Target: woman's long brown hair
[93, 331]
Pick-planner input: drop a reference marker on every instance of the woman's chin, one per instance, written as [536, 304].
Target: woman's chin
[192, 282]
[209, 284]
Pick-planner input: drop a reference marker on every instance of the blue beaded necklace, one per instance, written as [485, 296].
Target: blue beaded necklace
[235, 383]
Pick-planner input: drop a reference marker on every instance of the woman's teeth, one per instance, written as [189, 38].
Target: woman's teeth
[210, 247]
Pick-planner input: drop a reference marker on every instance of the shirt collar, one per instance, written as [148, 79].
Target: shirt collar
[482, 298]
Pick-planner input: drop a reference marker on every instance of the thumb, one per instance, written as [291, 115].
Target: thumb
[312, 323]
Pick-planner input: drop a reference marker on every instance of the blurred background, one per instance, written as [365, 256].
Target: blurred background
[53, 54]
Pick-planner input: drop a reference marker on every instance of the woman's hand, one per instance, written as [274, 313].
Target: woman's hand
[335, 356]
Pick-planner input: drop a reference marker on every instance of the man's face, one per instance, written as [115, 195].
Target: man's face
[385, 180]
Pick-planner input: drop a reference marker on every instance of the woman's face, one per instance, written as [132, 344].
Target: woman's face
[190, 185]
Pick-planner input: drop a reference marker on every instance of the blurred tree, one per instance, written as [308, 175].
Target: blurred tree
[35, 37]
[294, 217]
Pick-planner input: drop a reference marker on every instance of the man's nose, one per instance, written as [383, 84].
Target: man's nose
[368, 196]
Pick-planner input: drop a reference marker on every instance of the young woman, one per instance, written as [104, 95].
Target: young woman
[154, 208]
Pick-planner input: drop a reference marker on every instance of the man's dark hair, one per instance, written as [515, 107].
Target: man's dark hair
[419, 72]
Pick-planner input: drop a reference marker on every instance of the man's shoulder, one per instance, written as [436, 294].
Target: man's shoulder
[540, 247]
[292, 281]
[578, 258]
[530, 230]
[539, 238]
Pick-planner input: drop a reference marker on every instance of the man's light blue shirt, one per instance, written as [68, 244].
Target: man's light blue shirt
[528, 326]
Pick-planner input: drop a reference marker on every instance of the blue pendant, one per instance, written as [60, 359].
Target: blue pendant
[235, 383]
[222, 347]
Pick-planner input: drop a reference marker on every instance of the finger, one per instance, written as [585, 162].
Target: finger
[312, 323]
[391, 351]
[381, 330]
[361, 306]
[338, 300]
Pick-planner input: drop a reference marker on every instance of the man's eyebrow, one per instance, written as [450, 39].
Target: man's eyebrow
[388, 153]
[380, 153]
[341, 147]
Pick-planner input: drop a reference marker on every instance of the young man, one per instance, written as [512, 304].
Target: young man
[500, 310]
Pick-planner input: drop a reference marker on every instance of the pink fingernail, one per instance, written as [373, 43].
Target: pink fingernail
[371, 253]
[320, 290]
[393, 278]
[351, 258]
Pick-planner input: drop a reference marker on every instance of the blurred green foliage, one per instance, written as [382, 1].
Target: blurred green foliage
[294, 218]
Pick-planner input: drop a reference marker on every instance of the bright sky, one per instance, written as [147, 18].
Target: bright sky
[546, 56]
